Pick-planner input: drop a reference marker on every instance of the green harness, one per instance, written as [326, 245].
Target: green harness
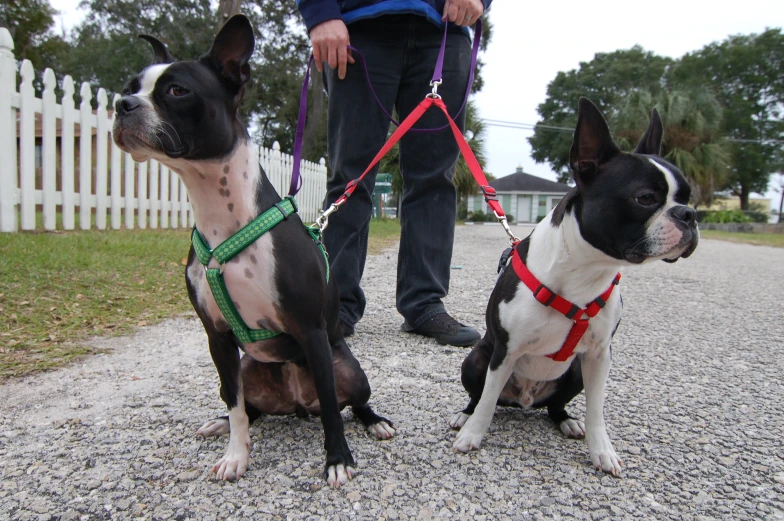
[232, 247]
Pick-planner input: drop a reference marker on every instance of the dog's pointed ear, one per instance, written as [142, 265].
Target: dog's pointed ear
[593, 145]
[650, 142]
[231, 50]
[161, 52]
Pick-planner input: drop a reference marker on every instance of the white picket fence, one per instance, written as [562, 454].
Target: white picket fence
[143, 195]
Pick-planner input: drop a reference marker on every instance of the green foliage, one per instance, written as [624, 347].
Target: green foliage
[746, 72]
[692, 122]
[608, 80]
[478, 216]
[725, 216]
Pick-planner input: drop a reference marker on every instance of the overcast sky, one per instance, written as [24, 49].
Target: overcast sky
[533, 41]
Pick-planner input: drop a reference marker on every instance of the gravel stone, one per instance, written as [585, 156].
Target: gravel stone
[693, 406]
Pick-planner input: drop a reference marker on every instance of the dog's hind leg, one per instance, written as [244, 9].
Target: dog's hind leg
[569, 386]
[473, 373]
[354, 389]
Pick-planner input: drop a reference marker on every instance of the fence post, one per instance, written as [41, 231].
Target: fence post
[8, 170]
[102, 160]
[67, 153]
[27, 144]
[49, 152]
[155, 198]
[85, 157]
[116, 171]
[141, 194]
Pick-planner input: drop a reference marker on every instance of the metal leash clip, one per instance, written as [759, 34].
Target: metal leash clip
[434, 94]
[323, 219]
[513, 239]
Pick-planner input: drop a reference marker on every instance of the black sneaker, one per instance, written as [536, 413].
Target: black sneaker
[347, 329]
[446, 330]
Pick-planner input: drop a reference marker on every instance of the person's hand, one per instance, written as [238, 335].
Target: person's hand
[462, 12]
[330, 44]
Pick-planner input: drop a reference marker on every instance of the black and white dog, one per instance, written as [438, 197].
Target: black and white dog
[626, 208]
[184, 114]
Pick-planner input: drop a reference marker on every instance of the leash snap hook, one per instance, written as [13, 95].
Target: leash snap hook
[434, 93]
[513, 239]
[323, 219]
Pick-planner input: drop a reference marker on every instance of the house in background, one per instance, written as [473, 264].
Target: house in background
[524, 197]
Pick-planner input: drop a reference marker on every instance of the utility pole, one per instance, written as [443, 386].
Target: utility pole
[227, 9]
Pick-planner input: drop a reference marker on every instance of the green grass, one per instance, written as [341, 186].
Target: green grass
[57, 289]
[760, 239]
[383, 234]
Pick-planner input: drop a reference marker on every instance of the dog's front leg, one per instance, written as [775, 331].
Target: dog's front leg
[596, 369]
[225, 355]
[318, 353]
[470, 436]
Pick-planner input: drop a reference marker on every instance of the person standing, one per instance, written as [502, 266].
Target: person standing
[400, 41]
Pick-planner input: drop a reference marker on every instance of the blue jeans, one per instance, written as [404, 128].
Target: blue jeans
[401, 52]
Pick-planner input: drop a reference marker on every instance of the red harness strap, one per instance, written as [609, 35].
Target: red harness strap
[549, 298]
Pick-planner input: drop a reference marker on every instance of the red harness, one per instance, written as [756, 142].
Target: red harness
[549, 298]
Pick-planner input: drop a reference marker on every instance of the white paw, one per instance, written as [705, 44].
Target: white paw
[339, 474]
[214, 427]
[458, 420]
[573, 428]
[467, 441]
[382, 430]
[234, 464]
[603, 456]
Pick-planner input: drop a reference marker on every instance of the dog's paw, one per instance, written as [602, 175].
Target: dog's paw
[573, 428]
[467, 441]
[458, 420]
[381, 430]
[214, 427]
[338, 475]
[603, 456]
[234, 464]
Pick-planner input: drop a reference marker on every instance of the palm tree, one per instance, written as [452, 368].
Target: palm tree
[692, 122]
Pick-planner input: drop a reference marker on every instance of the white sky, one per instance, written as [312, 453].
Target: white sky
[533, 41]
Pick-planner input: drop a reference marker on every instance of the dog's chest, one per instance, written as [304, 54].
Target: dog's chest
[536, 331]
[250, 281]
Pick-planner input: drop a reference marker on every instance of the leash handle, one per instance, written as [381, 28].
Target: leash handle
[296, 180]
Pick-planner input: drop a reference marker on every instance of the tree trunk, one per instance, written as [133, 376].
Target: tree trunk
[744, 197]
[781, 202]
[227, 9]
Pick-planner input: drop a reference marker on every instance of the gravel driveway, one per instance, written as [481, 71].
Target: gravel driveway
[694, 407]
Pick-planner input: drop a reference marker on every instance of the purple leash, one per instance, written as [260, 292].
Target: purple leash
[296, 179]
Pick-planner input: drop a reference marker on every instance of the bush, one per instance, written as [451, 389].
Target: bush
[462, 211]
[757, 217]
[478, 216]
[724, 216]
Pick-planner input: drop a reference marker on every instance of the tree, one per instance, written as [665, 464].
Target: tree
[747, 75]
[30, 23]
[692, 123]
[607, 80]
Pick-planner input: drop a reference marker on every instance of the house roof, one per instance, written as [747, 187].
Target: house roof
[522, 182]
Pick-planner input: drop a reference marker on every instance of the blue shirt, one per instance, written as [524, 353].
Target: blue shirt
[316, 11]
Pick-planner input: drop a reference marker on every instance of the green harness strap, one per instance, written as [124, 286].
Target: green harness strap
[232, 247]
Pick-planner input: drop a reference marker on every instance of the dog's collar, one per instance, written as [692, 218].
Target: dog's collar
[232, 247]
[549, 298]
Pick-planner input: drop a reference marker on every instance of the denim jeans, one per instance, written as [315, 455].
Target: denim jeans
[400, 52]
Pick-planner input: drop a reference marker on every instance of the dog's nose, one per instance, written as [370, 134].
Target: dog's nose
[126, 104]
[684, 213]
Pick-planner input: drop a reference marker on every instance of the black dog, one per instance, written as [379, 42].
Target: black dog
[184, 114]
[540, 348]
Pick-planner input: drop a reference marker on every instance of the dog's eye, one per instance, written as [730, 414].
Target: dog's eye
[645, 199]
[177, 91]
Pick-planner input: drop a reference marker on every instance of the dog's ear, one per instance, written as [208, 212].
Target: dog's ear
[650, 142]
[593, 145]
[161, 52]
[231, 51]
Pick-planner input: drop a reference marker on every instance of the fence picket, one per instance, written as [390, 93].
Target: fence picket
[143, 195]
[67, 154]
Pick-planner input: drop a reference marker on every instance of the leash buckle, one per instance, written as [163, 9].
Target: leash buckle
[434, 93]
[502, 262]
[547, 298]
[323, 219]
